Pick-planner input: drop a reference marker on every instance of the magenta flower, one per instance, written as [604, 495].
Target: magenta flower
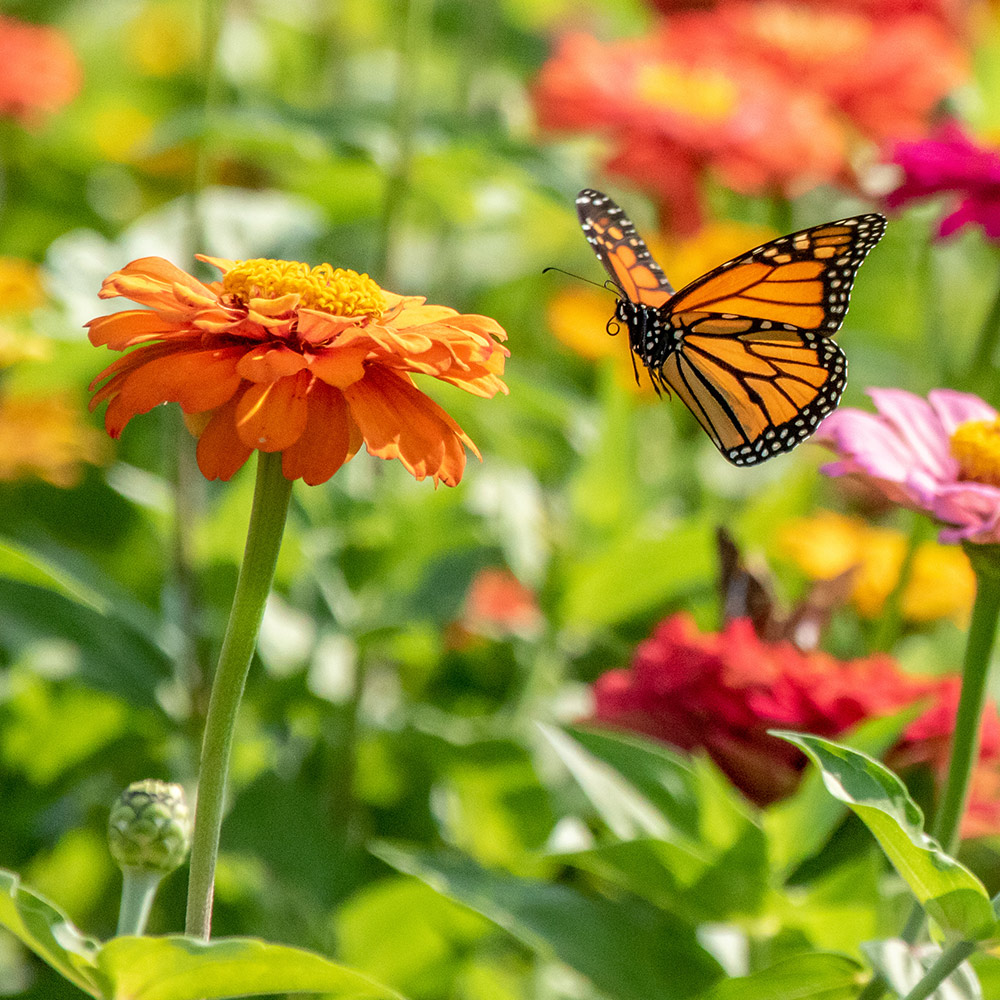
[940, 455]
[951, 161]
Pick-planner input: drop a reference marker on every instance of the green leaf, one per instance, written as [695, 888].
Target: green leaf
[108, 654]
[636, 575]
[949, 893]
[640, 788]
[903, 966]
[626, 949]
[798, 827]
[173, 968]
[182, 968]
[49, 933]
[815, 976]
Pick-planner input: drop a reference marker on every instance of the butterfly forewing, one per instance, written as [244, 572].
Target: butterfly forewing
[746, 346]
[621, 250]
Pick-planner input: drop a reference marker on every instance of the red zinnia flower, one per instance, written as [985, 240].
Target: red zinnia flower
[722, 692]
[309, 362]
[39, 72]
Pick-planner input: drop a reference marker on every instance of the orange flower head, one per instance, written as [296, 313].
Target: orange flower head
[311, 362]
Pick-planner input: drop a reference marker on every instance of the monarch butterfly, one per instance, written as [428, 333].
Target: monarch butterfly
[746, 346]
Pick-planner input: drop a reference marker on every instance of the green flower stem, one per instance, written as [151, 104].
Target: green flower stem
[947, 963]
[138, 892]
[975, 672]
[267, 522]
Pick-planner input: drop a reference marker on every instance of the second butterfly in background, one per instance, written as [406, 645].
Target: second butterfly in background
[746, 346]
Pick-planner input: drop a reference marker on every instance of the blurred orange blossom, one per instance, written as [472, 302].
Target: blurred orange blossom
[46, 437]
[280, 357]
[39, 72]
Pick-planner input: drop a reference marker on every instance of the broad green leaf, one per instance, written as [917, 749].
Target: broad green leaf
[903, 966]
[640, 788]
[948, 891]
[699, 886]
[49, 933]
[817, 976]
[182, 968]
[636, 575]
[798, 827]
[626, 949]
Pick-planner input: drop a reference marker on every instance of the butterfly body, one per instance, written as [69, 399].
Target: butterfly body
[746, 346]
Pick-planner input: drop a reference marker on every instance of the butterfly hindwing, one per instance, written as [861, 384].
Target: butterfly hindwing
[621, 250]
[746, 346]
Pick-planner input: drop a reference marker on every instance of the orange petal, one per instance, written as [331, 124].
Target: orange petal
[340, 366]
[317, 327]
[130, 327]
[272, 415]
[221, 452]
[155, 282]
[330, 439]
[269, 362]
[198, 380]
[398, 421]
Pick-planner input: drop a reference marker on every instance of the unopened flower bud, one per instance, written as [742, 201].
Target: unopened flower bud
[149, 828]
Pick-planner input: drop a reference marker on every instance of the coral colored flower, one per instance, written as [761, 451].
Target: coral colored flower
[39, 72]
[951, 162]
[499, 604]
[941, 582]
[46, 437]
[309, 362]
[883, 73]
[940, 455]
[671, 112]
[766, 95]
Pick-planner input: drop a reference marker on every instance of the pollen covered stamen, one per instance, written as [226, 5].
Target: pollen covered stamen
[339, 292]
[976, 447]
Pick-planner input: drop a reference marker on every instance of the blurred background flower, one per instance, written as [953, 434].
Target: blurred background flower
[39, 71]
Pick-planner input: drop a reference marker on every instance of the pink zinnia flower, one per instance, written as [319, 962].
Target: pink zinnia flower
[940, 455]
[951, 161]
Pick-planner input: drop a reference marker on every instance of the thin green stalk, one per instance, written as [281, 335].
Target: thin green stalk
[947, 963]
[975, 672]
[267, 523]
[138, 892]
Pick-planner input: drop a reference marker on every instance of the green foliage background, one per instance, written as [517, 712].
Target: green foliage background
[395, 804]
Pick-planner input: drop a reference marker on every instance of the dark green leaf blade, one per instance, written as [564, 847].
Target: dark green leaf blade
[629, 952]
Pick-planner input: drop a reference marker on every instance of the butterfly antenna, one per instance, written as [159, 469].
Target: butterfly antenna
[606, 285]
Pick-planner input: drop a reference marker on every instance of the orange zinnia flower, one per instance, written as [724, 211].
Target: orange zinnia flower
[311, 362]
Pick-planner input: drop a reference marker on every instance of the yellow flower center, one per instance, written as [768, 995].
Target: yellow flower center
[707, 95]
[340, 292]
[976, 447]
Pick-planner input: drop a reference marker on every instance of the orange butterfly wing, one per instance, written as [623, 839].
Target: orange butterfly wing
[746, 346]
[621, 250]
